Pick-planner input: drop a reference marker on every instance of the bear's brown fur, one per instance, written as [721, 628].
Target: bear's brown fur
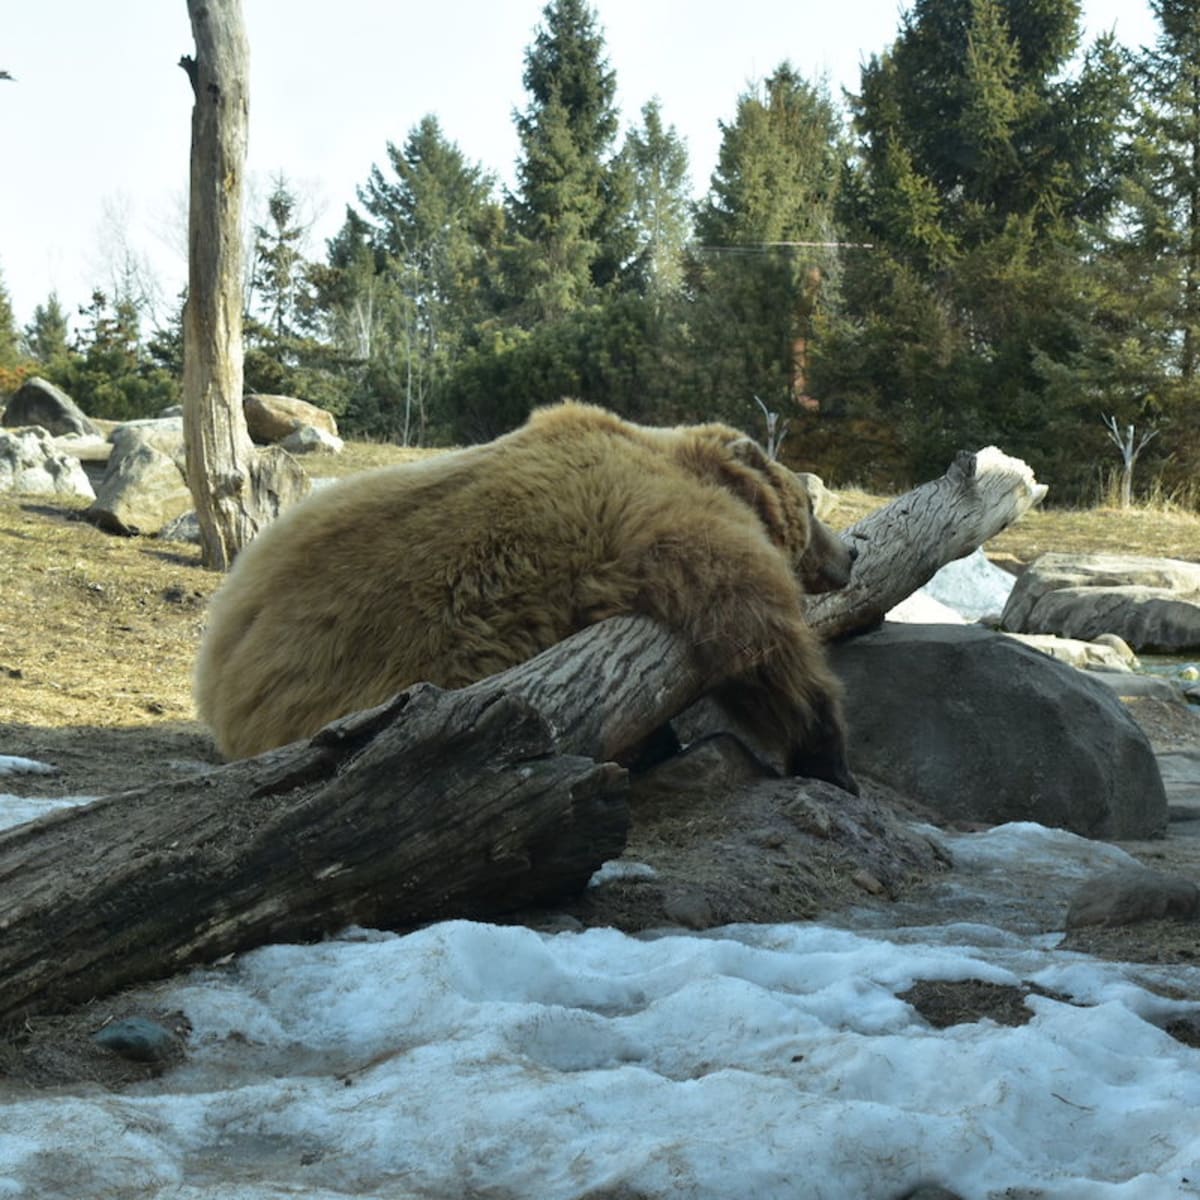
[456, 567]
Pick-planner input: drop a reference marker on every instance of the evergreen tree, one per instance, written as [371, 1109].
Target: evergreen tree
[277, 265]
[658, 159]
[982, 168]
[108, 373]
[422, 273]
[10, 350]
[768, 263]
[46, 336]
[1164, 193]
[571, 213]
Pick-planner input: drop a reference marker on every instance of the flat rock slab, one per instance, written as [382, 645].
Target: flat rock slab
[1180, 770]
[1152, 603]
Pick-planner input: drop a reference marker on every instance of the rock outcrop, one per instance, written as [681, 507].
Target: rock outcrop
[1153, 603]
[31, 465]
[272, 418]
[39, 402]
[981, 728]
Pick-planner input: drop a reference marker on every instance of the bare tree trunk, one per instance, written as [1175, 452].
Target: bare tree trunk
[902, 545]
[235, 491]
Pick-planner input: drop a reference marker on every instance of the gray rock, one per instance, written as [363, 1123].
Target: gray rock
[308, 440]
[1180, 770]
[39, 402]
[971, 586]
[1130, 686]
[142, 491]
[981, 728]
[88, 449]
[30, 465]
[1130, 894]
[164, 434]
[1152, 603]
[271, 418]
[184, 528]
[1095, 655]
[138, 1039]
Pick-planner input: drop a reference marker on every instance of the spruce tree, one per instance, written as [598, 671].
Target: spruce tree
[1165, 191]
[658, 159]
[10, 349]
[984, 162]
[435, 229]
[765, 235]
[46, 335]
[571, 212]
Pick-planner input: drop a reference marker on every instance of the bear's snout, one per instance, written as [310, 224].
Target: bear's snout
[828, 560]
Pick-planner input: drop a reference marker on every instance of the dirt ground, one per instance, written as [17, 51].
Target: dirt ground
[97, 639]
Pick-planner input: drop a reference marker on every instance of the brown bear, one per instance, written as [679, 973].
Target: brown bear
[455, 567]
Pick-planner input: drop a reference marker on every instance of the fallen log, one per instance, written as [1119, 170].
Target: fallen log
[902, 545]
[468, 803]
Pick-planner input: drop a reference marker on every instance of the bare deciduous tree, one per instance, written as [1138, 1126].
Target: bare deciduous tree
[236, 489]
[1124, 442]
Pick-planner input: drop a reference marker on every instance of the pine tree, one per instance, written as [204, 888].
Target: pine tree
[46, 337]
[571, 212]
[434, 232]
[1165, 191]
[658, 159]
[10, 350]
[766, 238]
[108, 372]
[277, 269]
[982, 167]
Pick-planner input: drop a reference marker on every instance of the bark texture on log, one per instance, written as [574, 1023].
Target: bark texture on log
[467, 803]
[235, 490]
[456, 805]
[902, 545]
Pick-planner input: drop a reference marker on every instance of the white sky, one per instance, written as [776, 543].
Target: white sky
[97, 124]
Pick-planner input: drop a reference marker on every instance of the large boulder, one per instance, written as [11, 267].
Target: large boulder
[143, 488]
[31, 465]
[979, 727]
[271, 418]
[164, 434]
[310, 440]
[972, 586]
[39, 402]
[1153, 603]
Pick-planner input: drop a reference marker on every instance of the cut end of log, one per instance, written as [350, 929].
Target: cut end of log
[991, 460]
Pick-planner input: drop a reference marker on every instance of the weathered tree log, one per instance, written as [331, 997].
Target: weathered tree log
[437, 804]
[902, 545]
[236, 489]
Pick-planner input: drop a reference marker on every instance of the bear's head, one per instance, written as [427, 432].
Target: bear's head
[820, 558]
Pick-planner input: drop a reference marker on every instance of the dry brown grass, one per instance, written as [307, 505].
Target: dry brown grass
[1161, 530]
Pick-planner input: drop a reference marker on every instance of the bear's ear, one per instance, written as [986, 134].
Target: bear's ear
[747, 450]
[746, 471]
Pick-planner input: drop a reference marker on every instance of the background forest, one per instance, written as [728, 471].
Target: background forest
[995, 240]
